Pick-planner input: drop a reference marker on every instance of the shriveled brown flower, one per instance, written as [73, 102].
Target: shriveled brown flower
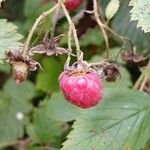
[107, 70]
[21, 66]
[49, 47]
[133, 58]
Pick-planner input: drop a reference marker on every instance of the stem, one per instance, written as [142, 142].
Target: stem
[95, 11]
[144, 82]
[72, 26]
[143, 79]
[114, 33]
[139, 81]
[41, 17]
[54, 23]
[69, 39]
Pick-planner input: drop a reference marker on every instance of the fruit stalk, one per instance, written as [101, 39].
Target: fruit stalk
[54, 23]
[72, 27]
[95, 11]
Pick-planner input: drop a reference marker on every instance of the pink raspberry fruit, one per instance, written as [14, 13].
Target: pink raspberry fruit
[83, 89]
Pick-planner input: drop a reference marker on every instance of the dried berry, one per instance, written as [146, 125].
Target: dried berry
[81, 88]
[21, 66]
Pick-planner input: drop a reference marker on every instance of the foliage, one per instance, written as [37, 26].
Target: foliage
[141, 13]
[48, 72]
[120, 122]
[112, 8]
[35, 114]
[122, 25]
[14, 109]
[9, 37]
[44, 129]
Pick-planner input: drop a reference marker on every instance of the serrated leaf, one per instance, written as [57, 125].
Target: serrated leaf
[44, 129]
[47, 79]
[112, 8]
[120, 122]
[14, 105]
[121, 25]
[61, 110]
[141, 13]
[9, 38]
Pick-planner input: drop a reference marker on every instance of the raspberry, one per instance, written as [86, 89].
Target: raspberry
[83, 89]
[72, 4]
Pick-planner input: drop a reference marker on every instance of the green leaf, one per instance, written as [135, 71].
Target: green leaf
[14, 105]
[61, 110]
[47, 79]
[5, 68]
[8, 37]
[141, 13]
[91, 37]
[120, 122]
[112, 8]
[122, 25]
[44, 129]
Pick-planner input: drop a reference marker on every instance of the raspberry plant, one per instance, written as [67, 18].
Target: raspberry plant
[74, 75]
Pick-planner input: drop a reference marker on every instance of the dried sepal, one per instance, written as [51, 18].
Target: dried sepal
[21, 66]
[133, 58]
[49, 47]
[111, 72]
[107, 70]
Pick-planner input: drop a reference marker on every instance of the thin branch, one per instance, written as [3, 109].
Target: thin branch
[78, 51]
[41, 17]
[54, 23]
[95, 11]
[143, 79]
[69, 39]
[123, 39]
[144, 82]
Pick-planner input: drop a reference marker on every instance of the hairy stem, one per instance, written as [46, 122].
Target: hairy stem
[72, 26]
[41, 17]
[54, 23]
[96, 14]
[69, 39]
[114, 33]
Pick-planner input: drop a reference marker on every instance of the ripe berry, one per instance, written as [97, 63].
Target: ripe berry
[81, 88]
[72, 4]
